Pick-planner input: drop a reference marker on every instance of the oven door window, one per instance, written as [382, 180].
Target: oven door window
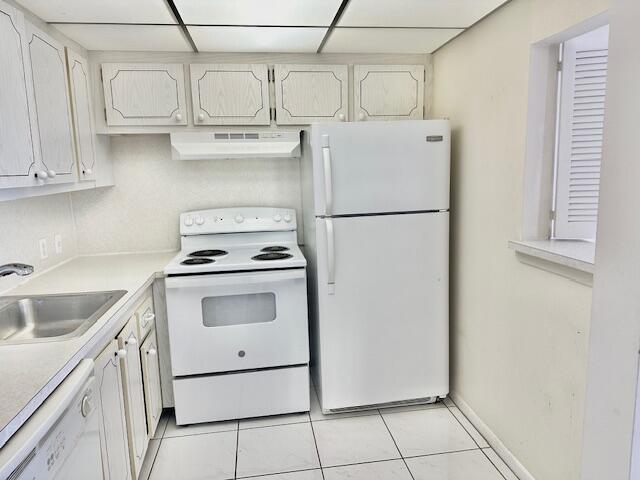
[224, 311]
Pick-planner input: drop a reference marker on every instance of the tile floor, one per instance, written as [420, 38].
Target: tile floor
[428, 442]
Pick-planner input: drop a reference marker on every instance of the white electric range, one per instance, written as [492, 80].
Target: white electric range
[237, 315]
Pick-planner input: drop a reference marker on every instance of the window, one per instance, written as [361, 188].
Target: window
[579, 135]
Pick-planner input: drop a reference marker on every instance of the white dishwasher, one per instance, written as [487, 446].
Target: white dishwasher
[61, 440]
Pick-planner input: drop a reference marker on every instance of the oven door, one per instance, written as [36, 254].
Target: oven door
[237, 321]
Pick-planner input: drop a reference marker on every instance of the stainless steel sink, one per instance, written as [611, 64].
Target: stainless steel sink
[47, 318]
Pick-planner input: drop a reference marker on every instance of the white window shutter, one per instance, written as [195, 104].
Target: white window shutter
[581, 122]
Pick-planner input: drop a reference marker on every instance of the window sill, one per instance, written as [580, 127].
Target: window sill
[573, 259]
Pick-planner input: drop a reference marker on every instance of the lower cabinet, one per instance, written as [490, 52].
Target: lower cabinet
[113, 428]
[135, 409]
[151, 379]
[128, 383]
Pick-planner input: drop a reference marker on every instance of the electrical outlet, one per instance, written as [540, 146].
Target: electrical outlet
[57, 243]
[44, 253]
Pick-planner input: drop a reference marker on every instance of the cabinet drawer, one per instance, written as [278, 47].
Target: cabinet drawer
[146, 317]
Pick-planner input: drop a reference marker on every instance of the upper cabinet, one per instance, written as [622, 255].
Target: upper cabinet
[226, 94]
[144, 94]
[52, 105]
[311, 93]
[82, 114]
[388, 92]
[17, 117]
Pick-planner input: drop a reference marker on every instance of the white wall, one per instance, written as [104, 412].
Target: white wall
[140, 213]
[519, 334]
[615, 322]
[24, 222]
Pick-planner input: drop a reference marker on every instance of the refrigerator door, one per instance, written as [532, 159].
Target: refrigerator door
[382, 313]
[378, 167]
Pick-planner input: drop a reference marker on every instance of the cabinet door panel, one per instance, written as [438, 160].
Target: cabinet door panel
[225, 94]
[17, 155]
[151, 375]
[388, 92]
[311, 93]
[144, 94]
[134, 395]
[113, 427]
[53, 108]
[82, 114]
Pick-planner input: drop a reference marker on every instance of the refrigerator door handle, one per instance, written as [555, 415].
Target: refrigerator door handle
[331, 261]
[326, 163]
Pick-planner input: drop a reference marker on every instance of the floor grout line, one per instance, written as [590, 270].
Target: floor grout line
[474, 440]
[315, 442]
[235, 468]
[153, 462]
[396, 444]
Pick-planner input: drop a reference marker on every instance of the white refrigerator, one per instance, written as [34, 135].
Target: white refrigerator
[376, 237]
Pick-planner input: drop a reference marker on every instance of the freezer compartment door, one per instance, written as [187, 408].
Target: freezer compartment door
[383, 316]
[379, 167]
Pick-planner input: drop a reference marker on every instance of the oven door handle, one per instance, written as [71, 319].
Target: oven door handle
[222, 279]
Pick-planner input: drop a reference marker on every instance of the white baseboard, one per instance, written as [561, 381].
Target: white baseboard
[503, 452]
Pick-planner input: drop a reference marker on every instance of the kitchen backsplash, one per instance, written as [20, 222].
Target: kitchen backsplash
[140, 213]
[23, 223]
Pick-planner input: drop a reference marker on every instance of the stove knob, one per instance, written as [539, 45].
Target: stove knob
[188, 221]
[277, 218]
[239, 219]
[288, 218]
[199, 220]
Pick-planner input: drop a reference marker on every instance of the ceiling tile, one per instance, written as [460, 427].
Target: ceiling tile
[387, 40]
[257, 39]
[416, 13]
[258, 12]
[127, 37]
[101, 11]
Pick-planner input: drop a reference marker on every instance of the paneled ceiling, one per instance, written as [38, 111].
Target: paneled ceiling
[336, 26]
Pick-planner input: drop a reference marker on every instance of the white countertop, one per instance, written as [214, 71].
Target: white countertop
[30, 372]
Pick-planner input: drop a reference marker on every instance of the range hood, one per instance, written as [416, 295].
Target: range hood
[250, 144]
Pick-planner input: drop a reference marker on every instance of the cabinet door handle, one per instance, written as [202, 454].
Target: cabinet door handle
[178, 117]
[201, 117]
[152, 351]
[131, 341]
[147, 317]
[122, 353]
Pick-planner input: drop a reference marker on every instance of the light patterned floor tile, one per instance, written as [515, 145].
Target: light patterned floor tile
[499, 464]
[353, 440]
[471, 430]
[425, 432]
[472, 465]
[284, 448]
[305, 475]
[273, 420]
[173, 430]
[195, 457]
[391, 470]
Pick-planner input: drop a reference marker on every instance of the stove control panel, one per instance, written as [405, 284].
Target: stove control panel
[237, 220]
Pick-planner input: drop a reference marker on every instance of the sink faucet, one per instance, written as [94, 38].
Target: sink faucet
[17, 268]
